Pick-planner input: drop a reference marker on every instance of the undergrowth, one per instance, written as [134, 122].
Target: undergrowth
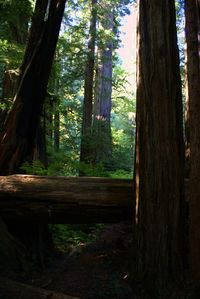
[68, 236]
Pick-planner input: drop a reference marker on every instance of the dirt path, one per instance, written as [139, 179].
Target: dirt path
[97, 271]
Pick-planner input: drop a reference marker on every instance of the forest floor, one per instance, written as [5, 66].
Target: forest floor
[99, 270]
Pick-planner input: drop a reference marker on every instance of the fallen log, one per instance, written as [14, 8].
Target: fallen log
[10, 289]
[66, 199]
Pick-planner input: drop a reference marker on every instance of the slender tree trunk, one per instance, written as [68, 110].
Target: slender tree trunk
[56, 127]
[20, 129]
[103, 96]
[40, 147]
[85, 152]
[192, 10]
[159, 149]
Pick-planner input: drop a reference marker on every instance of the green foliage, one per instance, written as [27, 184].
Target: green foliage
[10, 54]
[14, 18]
[121, 174]
[34, 168]
[66, 84]
[92, 170]
[123, 121]
[62, 163]
[67, 236]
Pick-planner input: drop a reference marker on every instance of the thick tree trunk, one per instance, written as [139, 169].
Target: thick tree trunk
[192, 10]
[20, 129]
[85, 152]
[65, 200]
[159, 149]
[102, 145]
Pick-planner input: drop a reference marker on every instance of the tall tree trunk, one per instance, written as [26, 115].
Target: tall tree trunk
[85, 152]
[103, 96]
[21, 125]
[19, 134]
[159, 148]
[192, 11]
[56, 126]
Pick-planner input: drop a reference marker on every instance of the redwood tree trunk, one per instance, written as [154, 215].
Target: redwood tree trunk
[85, 152]
[103, 97]
[20, 129]
[192, 10]
[159, 148]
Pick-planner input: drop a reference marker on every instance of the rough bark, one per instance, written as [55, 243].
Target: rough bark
[10, 289]
[65, 200]
[85, 152]
[159, 149]
[102, 144]
[21, 125]
[192, 10]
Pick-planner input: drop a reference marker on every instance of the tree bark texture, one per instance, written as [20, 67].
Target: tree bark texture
[19, 133]
[65, 200]
[102, 145]
[85, 153]
[159, 148]
[192, 11]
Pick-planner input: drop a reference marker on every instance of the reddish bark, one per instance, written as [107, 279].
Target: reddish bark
[102, 139]
[159, 148]
[192, 10]
[85, 153]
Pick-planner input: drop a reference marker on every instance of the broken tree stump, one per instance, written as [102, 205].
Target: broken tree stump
[66, 199]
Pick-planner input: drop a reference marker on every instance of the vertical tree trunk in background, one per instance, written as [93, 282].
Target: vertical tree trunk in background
[40, 146]
[159, 148]
[85, 152]
[192, 11]
[20, 129]
[103, 96]
[56, 127]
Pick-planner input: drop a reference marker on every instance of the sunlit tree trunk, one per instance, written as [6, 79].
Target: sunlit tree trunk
[192, 11]
[103, 94]
[159, 149]
[18, 136]
[85, 151]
